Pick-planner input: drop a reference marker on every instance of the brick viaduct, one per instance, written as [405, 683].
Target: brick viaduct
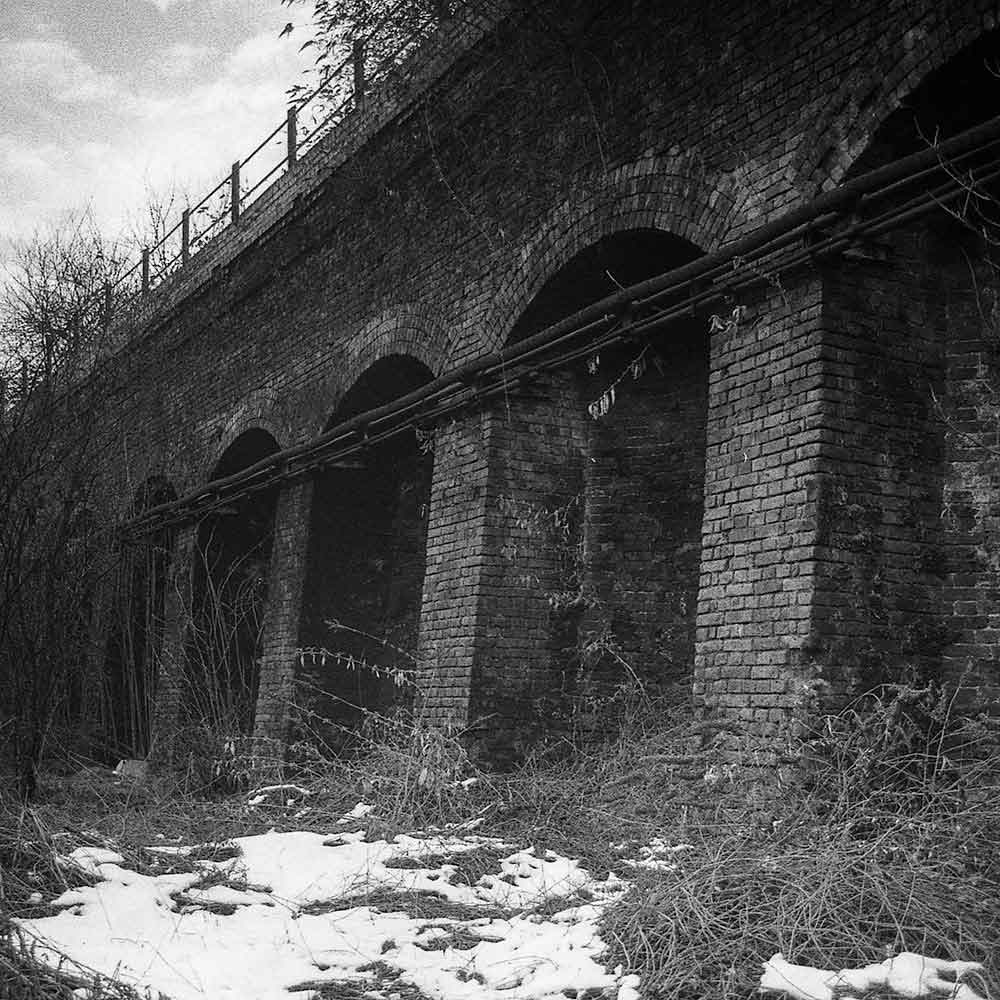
[798, 499]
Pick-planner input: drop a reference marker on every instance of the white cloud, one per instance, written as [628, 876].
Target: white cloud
[133, 137]
[185, 58]
[48, 69]
[198, 133]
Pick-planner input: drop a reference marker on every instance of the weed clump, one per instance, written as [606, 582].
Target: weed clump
[889, 843]
[876, 832]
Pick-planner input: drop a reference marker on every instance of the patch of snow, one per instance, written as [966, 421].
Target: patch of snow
[91, 858]
[628, 987]
[130, 925]
[802, 982]
[361, 810]
[907, 975]
[653, 854]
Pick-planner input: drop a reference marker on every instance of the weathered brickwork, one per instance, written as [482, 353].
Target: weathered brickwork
[453, 580]
[879, 559]
[176, 617]
[286, 574]
[644, 476]
[779, 504]
[527, 640]
[968, 602]
[765, 429]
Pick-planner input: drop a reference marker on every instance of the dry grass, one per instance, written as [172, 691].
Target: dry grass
[24, 976]
[890, 843]
[884, 835]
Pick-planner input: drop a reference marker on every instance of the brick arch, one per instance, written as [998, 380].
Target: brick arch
[870, 93]
[672, 194]
[410, 330]
[254, 412]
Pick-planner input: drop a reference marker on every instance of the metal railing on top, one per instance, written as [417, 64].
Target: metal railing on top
[306, 121]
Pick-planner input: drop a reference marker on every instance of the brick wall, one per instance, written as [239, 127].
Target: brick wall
[432, 227]
[879, 557]
[277, 650]
[455, 569]
[644, 486]
[527, 615]
[969, 559]
[176, 614]
[764, 439]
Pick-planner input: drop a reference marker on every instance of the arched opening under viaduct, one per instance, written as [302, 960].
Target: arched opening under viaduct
[597, 486]
[365, 566]
[910, 537]
[135, 639]
[950, 99]
[230, 588]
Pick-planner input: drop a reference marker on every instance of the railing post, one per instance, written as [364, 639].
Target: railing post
[291, 129]
[145, 270]
[185, 235]
[234, 193]
[358, 54]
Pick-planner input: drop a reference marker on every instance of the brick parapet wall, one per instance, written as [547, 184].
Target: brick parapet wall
[901, 50]
[400, 90]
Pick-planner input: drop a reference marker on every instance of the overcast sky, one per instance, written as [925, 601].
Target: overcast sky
[102, 99]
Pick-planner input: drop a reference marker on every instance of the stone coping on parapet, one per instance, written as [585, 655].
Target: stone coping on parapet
[389, 96]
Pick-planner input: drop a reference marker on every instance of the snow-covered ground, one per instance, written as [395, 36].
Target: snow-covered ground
[289, 913]
[308, 909]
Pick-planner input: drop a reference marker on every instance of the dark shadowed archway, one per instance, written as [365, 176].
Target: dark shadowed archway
[962, 93]
[232, 562]
[365, 566]
[132, 657]
[598, 474]
[909, 528]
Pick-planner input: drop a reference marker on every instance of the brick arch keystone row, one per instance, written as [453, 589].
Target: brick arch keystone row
[412, 330]
[847, 125]
[672, 193]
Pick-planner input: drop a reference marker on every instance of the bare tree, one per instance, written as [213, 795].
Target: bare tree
[52, 531]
